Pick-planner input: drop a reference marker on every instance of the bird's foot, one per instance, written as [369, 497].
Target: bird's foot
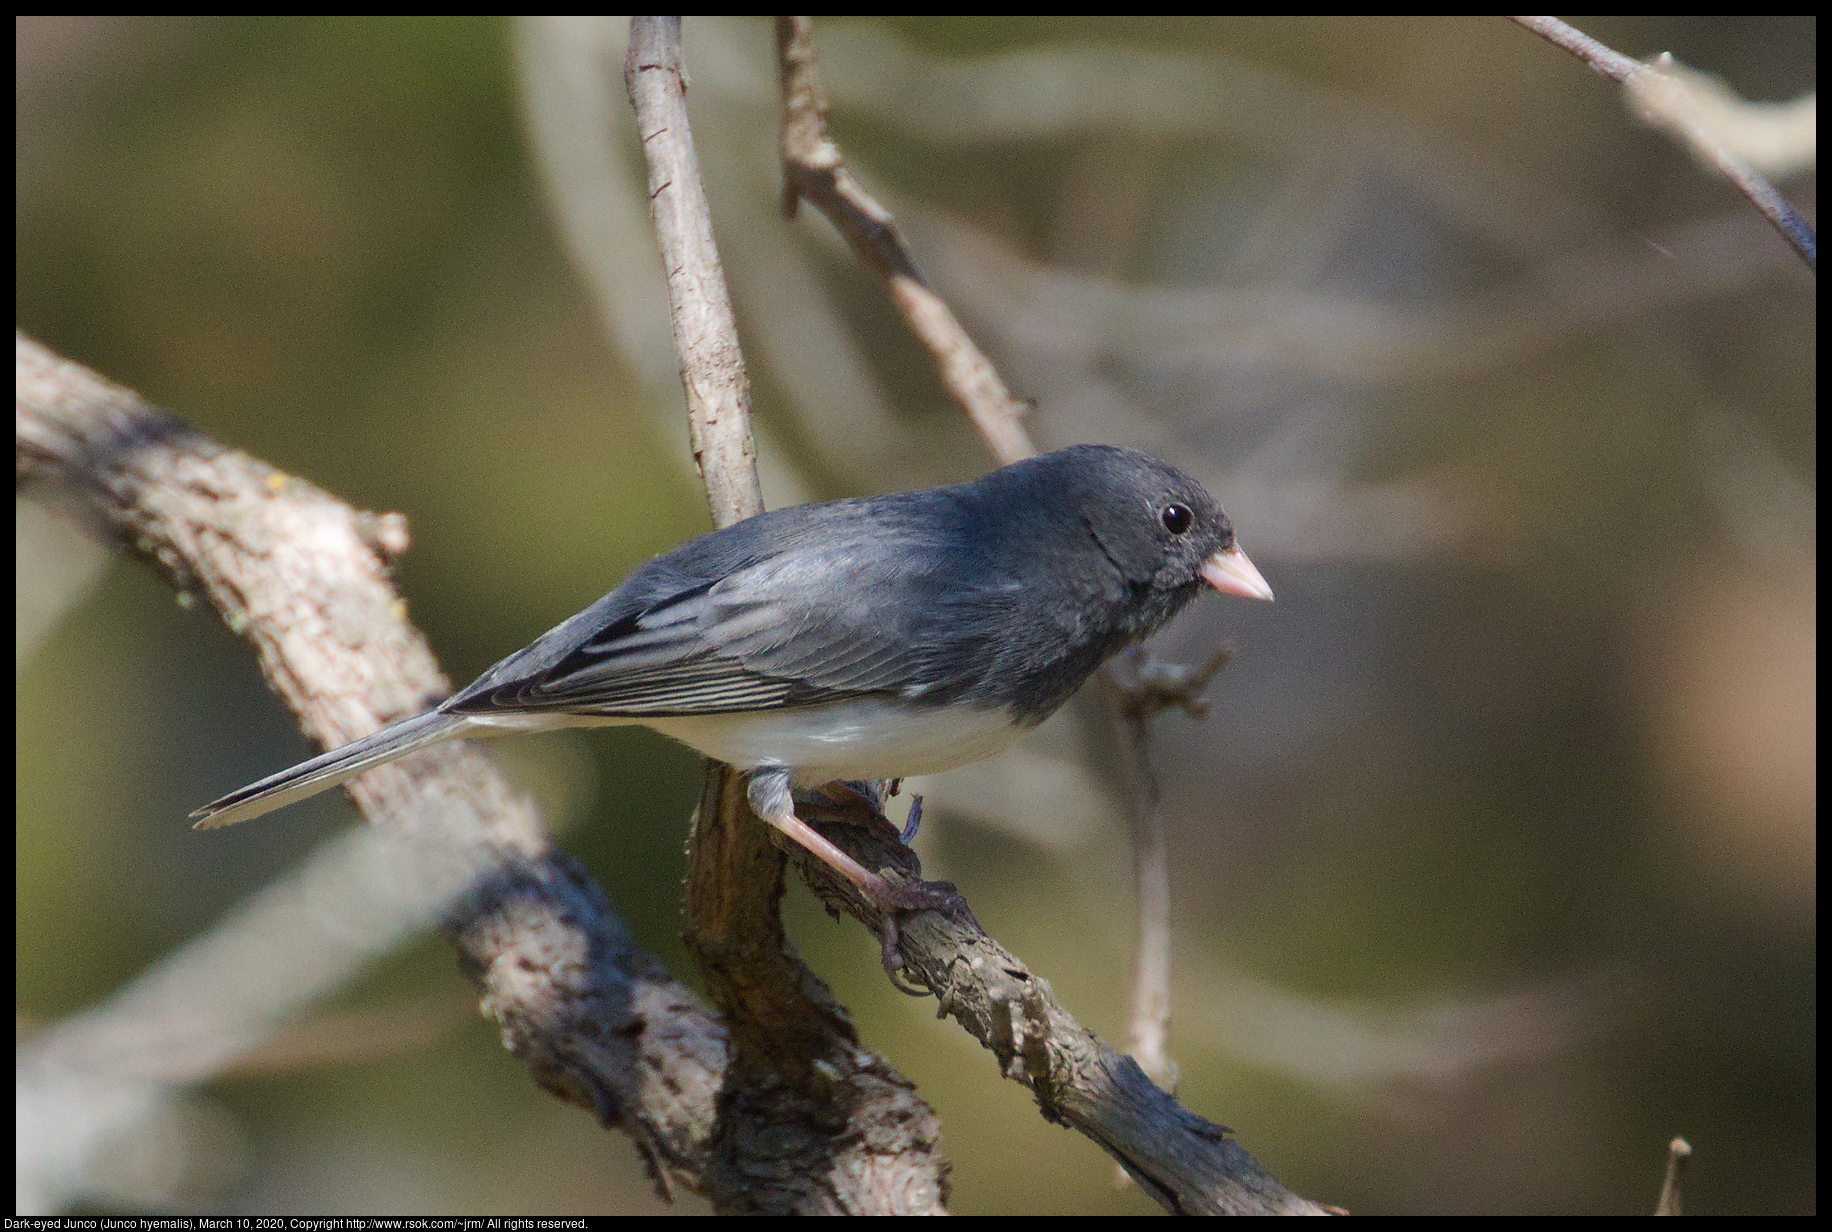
[771, 799]
[894, 900]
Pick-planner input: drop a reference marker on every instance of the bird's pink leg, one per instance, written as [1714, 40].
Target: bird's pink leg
[771, 800]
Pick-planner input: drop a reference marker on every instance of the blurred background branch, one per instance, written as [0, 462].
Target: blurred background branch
[1722, 132]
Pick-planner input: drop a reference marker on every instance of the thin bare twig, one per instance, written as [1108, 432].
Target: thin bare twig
[1679, 1151]
[1138, 688]
[699, 306]
[814, 168]
[1663, 101]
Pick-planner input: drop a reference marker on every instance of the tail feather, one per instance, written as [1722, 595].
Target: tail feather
[327, 770]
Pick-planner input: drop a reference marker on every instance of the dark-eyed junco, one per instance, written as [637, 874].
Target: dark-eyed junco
[852, 640]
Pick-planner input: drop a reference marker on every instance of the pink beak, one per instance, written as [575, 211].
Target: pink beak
[1230, 572]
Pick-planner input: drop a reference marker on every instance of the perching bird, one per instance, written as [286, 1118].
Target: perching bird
[875, 638]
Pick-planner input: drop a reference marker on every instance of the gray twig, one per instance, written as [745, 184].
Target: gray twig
[705, 328]
[1656, 94]
[1679, 1151]
[1138, 687]
[813, 168]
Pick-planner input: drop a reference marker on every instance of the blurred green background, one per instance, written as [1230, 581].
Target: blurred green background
[1495, 859]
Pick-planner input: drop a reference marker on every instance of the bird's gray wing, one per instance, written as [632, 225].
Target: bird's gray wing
[797, 628]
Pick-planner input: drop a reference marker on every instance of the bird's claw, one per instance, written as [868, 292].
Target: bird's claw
[915, 820]
[894, 900]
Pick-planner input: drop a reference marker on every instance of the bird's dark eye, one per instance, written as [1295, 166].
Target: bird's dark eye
[1177, 518]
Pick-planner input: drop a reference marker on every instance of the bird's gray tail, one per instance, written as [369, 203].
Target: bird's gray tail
[327, 770]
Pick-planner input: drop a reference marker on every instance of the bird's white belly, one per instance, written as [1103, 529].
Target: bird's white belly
[859, 739]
